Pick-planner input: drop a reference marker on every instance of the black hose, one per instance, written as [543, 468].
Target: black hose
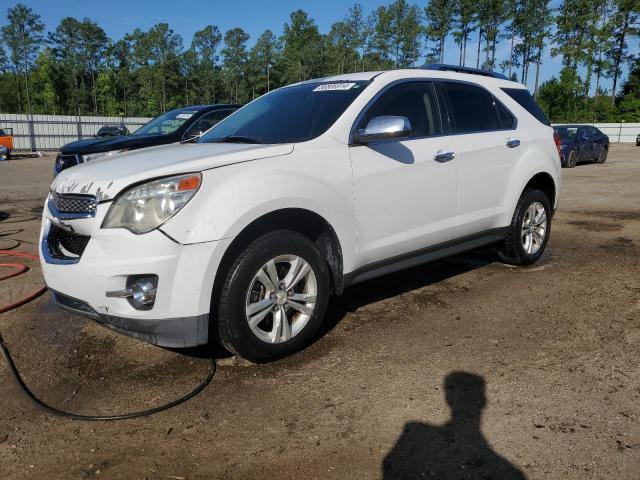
[97, 418]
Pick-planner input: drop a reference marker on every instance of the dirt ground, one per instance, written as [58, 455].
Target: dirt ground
[540, 367]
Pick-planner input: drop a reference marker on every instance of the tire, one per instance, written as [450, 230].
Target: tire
[516, 250]
[246, 286]
[572, 159]
[602, 156]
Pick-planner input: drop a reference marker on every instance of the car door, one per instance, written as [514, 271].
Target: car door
[488, 144]
[596, 139]
[583, 143]
[406, 189]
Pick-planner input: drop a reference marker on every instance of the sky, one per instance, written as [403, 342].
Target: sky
[118, 17]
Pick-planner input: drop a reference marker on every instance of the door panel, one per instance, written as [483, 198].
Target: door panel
[488, 147]
[485, 164]
[405, 198]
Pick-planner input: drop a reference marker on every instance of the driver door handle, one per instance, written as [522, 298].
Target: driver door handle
[513, 143]
[443, 157]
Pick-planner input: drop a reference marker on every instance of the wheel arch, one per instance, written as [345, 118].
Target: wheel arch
[545, 182]
[306, 222]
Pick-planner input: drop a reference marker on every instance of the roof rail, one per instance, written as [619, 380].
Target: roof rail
[456, 68]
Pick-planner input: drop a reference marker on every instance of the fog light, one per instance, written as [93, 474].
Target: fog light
[143, 293]
[140, 292]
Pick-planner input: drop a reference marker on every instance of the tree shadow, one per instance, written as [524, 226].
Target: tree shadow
[455, 450]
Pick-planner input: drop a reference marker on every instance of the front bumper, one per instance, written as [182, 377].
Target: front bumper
[170, 332]
[180, 315]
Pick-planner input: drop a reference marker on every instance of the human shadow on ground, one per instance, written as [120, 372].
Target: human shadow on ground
[455, 450]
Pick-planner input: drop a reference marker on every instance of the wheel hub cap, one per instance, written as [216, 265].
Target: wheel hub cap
[534, 228]
[281, 299]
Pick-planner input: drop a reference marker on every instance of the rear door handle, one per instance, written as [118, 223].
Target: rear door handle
[443, 157]
[513, 143]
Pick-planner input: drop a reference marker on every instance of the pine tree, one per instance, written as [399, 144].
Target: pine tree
[439, 14]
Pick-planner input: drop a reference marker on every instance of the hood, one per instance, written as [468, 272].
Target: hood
[106, 144]
[107, 177]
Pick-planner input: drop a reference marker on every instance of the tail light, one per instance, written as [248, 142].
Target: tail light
[556, 139]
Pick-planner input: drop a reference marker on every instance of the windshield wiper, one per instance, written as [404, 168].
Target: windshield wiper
[238, 139]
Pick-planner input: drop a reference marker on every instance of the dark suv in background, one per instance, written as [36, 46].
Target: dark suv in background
[581, 143]
[171, 127]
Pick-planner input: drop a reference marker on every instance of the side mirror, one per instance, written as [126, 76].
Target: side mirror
[384, 128]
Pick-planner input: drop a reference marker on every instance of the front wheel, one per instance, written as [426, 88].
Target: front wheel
[274, 297]
[602, 156]
[529, 230]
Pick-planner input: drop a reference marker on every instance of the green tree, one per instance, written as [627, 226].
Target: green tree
[66, 45]
[464, 18]
[302, 48]
[624, 22]
[396, 34]
[204, 65]
[629, 103]
[440, 15]
[93, 44]
[263, 57]
[234, 54]
[45, 80]
[23, 36]
[164, 46]
[361, 30]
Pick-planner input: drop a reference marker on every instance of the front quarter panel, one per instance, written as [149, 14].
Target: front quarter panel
[316, 177]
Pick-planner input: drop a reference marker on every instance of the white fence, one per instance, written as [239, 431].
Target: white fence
[50, 132]
[617, 132]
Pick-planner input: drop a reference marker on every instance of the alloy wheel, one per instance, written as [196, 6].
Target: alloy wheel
[534, 228]
[281, 298]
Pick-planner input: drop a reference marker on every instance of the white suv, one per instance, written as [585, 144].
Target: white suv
[244, 235]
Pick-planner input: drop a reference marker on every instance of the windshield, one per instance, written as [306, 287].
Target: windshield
[166, 123]
[566, 132]
[288, 115]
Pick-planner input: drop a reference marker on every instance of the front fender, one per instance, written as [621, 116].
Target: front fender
[234, 196]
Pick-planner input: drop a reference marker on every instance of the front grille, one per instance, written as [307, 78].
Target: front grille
[64, 161]
[61, 243]
[72, 203]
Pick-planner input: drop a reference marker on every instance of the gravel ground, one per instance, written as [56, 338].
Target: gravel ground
[464, 368]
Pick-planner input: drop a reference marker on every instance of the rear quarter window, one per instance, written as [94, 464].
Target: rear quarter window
[526, 101]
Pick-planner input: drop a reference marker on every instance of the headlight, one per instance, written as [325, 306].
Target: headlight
[95, 156]
[147, 206]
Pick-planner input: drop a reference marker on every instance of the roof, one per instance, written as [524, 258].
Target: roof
[430, 71]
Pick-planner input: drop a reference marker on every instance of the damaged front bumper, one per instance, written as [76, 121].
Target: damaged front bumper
[81, 263]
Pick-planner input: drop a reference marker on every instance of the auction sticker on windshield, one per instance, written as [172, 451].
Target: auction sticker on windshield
[331, 87]
[185, 116]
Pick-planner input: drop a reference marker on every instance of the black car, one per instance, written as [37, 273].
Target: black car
[581, 143]
[638, 140]
[112, 131]
[173, 126]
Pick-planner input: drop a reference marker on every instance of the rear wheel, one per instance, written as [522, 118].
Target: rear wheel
[529, 230]
[572, 159]
[274, 297]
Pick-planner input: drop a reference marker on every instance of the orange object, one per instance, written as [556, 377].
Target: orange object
[6, 138]
[190, 183]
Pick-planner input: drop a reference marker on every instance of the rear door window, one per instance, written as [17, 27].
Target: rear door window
[474, 109]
